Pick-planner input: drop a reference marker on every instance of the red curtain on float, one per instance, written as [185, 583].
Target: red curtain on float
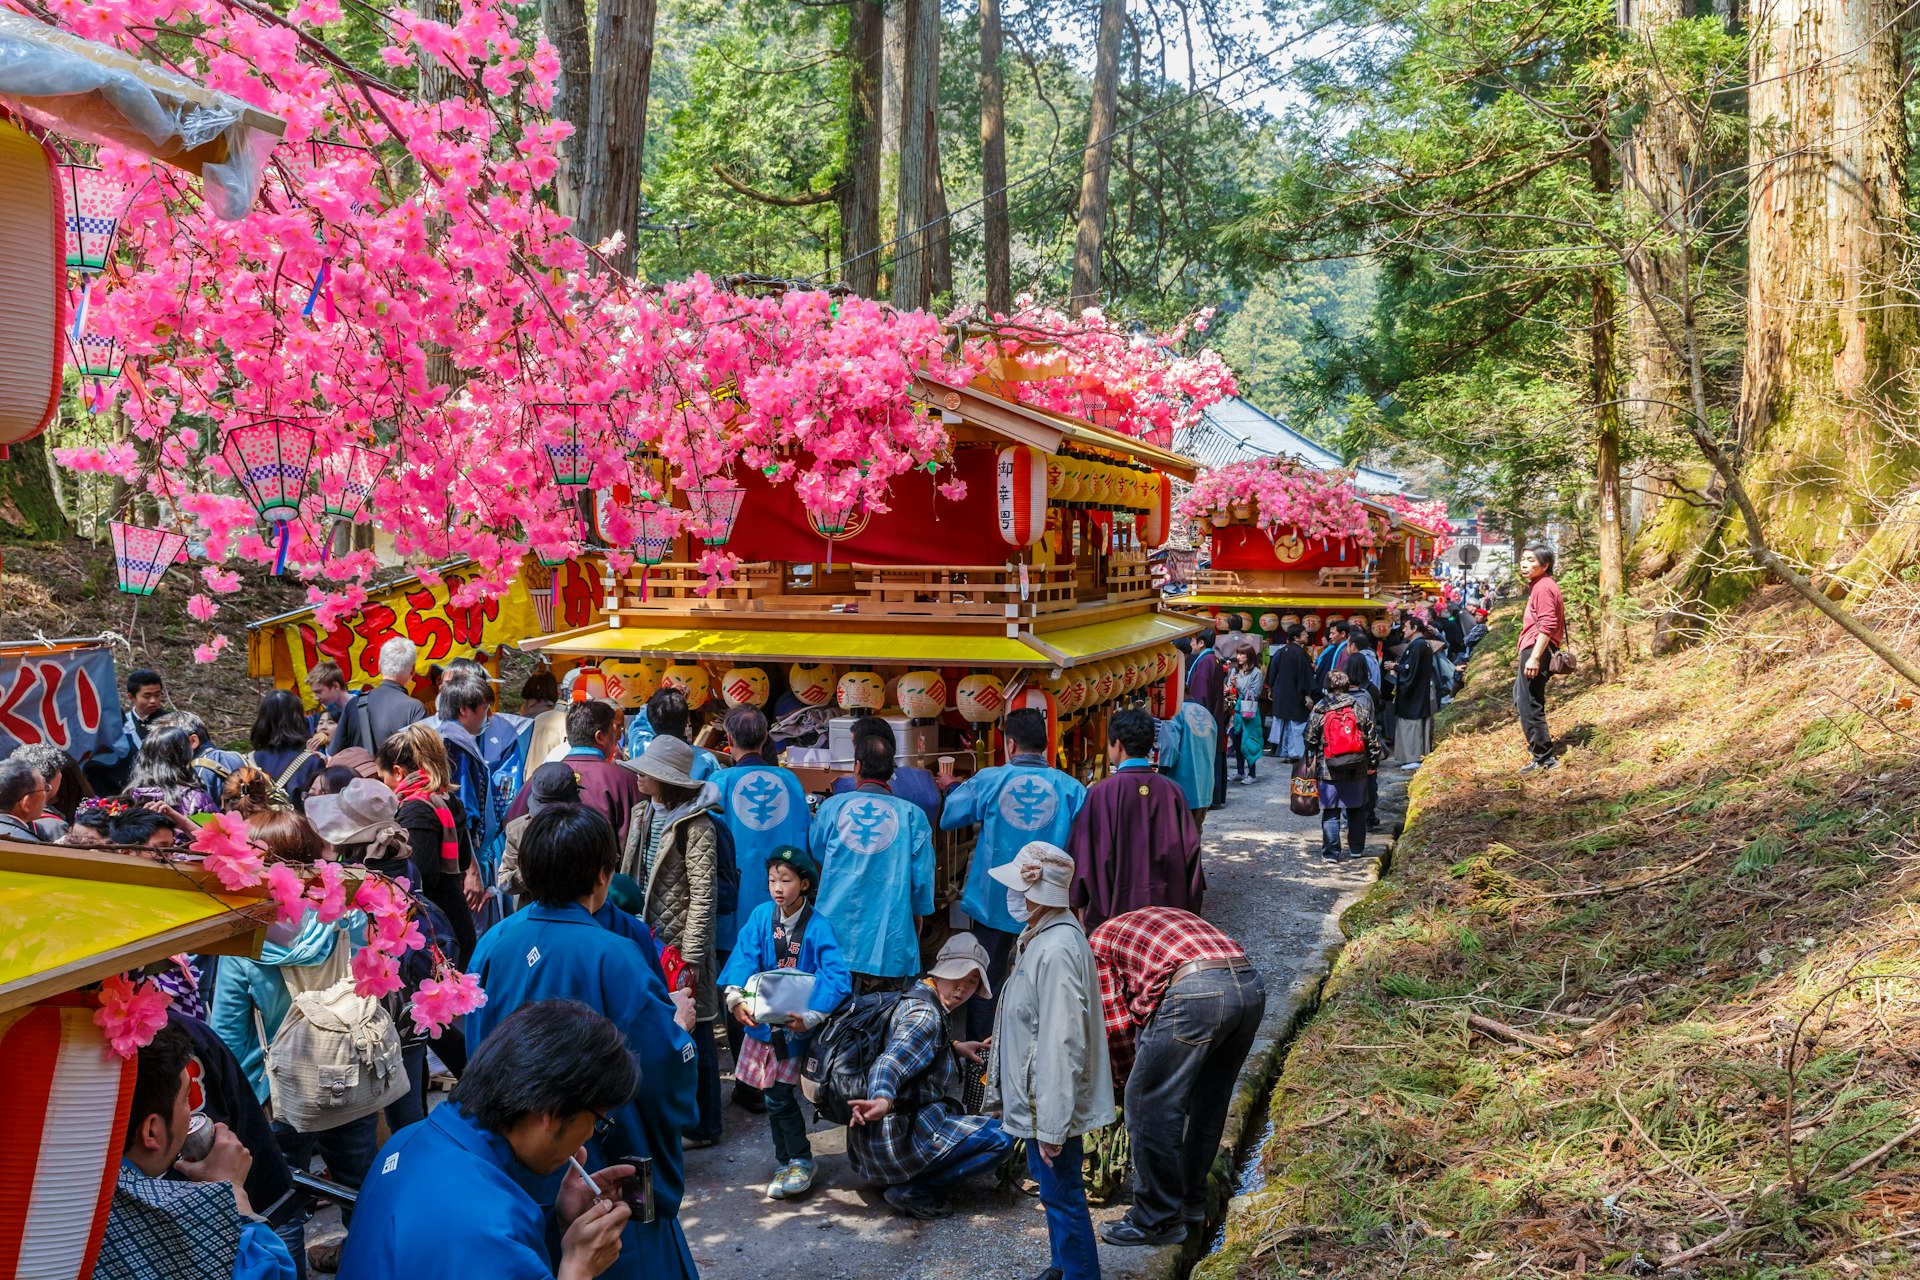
[920, 528]
[1242, 546]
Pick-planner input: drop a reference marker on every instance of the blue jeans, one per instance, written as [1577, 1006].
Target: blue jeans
[1291, 735]
[978, 1152]
[411, 1109]
[1075, 1255]
[1330, 832]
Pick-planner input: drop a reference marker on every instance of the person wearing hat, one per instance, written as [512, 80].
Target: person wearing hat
[673, 852]
[784, 932]
[908, 1134]
[551, 784]
[1050, 1079]
[360, 822]
[558, 949]
[875, 852]
[1182, 1004]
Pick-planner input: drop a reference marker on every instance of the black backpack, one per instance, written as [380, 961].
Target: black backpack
[843, 1050]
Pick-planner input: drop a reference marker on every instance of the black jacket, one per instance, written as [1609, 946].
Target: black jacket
[1413, 681]
[370, 718]
[1290, 683]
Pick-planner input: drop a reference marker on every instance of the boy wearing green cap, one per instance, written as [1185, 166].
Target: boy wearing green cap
[784, 933]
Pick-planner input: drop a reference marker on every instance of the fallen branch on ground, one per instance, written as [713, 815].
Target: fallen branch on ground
[1627, 887]
[1494, 1029]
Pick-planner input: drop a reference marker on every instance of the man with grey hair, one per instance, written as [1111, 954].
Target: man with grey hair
[23, 798]
[382, 711]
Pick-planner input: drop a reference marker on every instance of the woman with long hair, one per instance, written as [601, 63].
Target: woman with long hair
[279, 741]
[413, 762]
[163, 771]
[1245, 682]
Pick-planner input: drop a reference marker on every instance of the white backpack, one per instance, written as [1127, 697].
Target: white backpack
[336, 1056]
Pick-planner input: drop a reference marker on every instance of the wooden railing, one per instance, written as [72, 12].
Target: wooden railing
[1216, 582]
[963, 591]
[677, 586]
[1129, 577]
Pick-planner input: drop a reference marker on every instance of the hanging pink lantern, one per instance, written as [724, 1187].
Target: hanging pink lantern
[96, 206]
[565, 443]
[95, 356]
[142, 556]
[270, 459]
[358, 473]
[716, 505]
[653, 533]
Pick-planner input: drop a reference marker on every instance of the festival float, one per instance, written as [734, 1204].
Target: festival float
[1291, 543]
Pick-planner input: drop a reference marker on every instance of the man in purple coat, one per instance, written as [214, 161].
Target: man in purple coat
[1134, 844]
[1207, 685]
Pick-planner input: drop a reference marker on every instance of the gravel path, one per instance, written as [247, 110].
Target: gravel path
[1267, 886]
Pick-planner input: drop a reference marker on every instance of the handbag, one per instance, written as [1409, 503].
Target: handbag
[778, 994]
[1562, 662]
[1305, 797]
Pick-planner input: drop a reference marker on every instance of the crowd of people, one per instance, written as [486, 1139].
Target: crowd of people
[642, 895]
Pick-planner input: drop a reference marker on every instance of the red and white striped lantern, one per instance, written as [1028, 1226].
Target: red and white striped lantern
[1156, 522]
[66, 1115]
[1020, 482]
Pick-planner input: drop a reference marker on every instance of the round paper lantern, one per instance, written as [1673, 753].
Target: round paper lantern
[1358, 620]
[1166, 661]
[1246, 620]
[811, 683]
[922, 694]
[744, 687]
[1020, 485]
[691, 680]
[1289, 619]
[981, 698]
[589, 684]
[1156, 522]
[1056, 477]
[862, 691]
[1269, 622]
[1104, 682]
[1312, 623]
[1134, 672]
[637, 679]
[1381, 627]
[1069, 690]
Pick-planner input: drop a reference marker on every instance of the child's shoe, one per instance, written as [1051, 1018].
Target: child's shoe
[796, 1180]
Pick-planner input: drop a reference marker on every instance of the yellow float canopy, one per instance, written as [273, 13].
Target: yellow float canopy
[74, 916]
[1067, 647]
[1280, 602]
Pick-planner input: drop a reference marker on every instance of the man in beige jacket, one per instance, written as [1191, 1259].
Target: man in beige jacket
[1051, 1079]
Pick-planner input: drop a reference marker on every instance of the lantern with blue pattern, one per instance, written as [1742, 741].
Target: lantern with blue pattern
[142, 556]
[270, 459]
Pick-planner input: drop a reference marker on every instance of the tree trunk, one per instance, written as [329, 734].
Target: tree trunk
[997, 231]
[566, 22]
[1089, 238]
[940, 232]
[919, 73]
[860, 185]
[1603, 385]
[1653, 189]
[893, 63]
[1826, 325]
[29, 506]
[617, 125]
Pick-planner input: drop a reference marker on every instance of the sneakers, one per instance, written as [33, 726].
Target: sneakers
[918, 1204]
[1539, 766]
[1410, 766]
[792, 1182]
[1125, 1232]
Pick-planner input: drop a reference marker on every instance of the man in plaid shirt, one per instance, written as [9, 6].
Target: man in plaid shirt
[1182, 1005]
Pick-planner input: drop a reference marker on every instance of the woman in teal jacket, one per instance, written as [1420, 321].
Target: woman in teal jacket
[785, 933]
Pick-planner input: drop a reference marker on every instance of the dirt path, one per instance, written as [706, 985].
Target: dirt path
[1267, 886]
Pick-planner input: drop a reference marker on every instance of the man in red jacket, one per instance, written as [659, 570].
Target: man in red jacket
[1543, 629]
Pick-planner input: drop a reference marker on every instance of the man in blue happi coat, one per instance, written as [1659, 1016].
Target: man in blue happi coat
[558, 949]
[1024, 800]
[482, 1187]
[764, 808]
[875, 852]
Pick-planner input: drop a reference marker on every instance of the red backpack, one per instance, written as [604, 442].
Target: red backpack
[1345, 744]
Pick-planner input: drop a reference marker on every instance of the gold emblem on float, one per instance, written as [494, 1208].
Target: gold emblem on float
[1288, 547]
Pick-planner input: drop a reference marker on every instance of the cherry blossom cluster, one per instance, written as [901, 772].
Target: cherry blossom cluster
[1428, 514]
[1134, 381]
[1282, 493]
[405, 298]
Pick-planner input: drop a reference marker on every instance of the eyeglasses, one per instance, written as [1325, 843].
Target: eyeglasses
[602, 1126]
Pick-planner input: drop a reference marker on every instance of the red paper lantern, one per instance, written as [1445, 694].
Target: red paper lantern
[1020, 482]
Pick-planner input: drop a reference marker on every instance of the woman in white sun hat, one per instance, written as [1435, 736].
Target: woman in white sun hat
[1050, 1076]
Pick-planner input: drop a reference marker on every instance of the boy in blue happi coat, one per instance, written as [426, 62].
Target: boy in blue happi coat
[483, 1187]
[784, 933]
[558, 949]
[875, 852]
[1024, 800]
